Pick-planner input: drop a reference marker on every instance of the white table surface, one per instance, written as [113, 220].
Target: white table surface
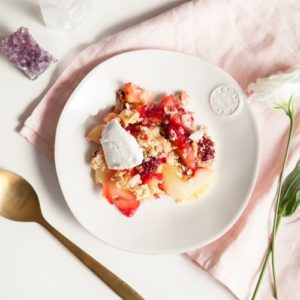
[33, 265]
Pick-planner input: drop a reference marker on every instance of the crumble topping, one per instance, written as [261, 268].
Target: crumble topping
[175, 151]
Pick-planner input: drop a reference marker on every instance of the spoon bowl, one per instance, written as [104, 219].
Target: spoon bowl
[19, 202]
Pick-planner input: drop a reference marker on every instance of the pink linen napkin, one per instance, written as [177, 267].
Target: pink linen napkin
[249, 39]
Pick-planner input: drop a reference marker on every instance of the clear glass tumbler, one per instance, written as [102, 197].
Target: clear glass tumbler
[65, 14]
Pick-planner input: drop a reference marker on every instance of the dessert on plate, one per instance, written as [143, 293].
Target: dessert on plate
[147, 149]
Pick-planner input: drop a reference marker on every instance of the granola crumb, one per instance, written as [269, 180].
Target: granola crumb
[143, 192]
[134, 181]
[128, 116]
[189, 172]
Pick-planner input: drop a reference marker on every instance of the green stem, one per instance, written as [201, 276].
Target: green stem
[276, 214]
[265, 263]
[273, 258]
[277, 218]
[262, 272]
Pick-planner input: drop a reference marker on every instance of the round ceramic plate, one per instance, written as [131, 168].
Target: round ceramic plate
[160, 226]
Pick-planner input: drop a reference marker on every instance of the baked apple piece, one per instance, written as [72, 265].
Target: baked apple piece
[182, 189]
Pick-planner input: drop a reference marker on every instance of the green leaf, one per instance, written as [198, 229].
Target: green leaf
[291, 207]
[290, 193]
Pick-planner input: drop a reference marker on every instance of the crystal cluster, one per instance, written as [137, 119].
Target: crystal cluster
[25, 53]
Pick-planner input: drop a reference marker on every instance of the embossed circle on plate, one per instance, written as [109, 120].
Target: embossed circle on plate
[224, 100]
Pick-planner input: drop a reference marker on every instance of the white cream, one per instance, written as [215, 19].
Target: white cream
[121, 150]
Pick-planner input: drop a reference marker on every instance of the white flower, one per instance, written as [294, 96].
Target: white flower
[277, 88]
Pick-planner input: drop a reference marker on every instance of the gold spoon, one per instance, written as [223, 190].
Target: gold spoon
[19, 202]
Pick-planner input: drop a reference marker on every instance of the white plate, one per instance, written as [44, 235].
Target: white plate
[159, 226]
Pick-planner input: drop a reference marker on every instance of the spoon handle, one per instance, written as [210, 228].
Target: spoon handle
[119, 286]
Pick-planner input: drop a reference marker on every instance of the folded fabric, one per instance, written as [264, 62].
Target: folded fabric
[249, 40]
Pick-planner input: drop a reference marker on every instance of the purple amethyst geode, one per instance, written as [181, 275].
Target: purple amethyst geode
[25, 53]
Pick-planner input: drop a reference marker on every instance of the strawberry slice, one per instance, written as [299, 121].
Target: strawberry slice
[127, 203]
[179, 138]
[127, 207]
[110, 191]
[187, 155]
[176, 119]
[124, 200]
[172, 103]
[126, 195]
[169, 101]
[183, 119]
[135, 94]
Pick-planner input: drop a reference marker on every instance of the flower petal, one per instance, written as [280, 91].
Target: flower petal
[277, 88]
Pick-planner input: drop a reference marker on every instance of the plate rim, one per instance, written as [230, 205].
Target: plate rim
[247, 198]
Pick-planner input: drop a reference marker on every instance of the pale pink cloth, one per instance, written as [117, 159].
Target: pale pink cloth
[249, 39]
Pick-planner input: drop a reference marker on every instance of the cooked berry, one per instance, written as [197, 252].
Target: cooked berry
[151, 114]
[134, 129]
[206, 147]
[149, 168]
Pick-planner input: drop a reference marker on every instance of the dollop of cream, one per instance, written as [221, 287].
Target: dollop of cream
[121, 149]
